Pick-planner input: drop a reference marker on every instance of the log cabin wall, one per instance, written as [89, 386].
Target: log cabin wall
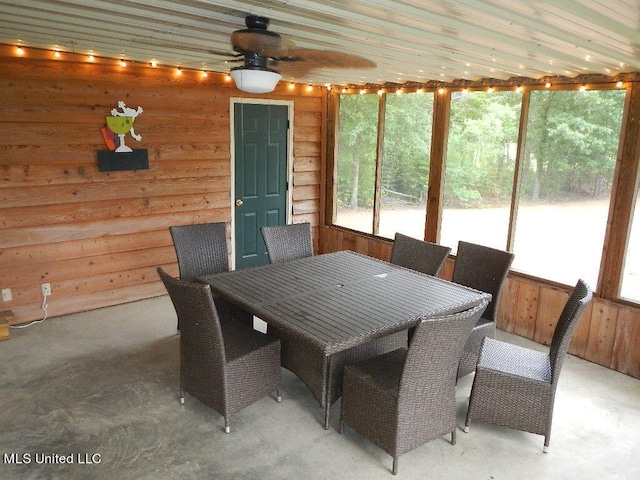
[97, 237]
[608, 333]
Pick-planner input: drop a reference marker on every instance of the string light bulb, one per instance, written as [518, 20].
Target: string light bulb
[154, 64]
[123, 63]
[56, 54]
[20, 51]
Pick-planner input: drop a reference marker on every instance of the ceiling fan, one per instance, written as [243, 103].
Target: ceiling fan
[267, 55]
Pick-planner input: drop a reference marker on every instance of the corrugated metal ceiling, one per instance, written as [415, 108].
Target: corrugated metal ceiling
[409, 40]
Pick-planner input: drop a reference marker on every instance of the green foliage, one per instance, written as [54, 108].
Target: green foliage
[570, 148]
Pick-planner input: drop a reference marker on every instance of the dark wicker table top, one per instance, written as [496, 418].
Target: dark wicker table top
[342, 299]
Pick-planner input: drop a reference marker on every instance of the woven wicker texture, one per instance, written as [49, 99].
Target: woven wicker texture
[515, 386]
[418, 255]
[225, 366]
[288, 242]
[406, 398]
[201, 249]
[332, 309]
[484, 269]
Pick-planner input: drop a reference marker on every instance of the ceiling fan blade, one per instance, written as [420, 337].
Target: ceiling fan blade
[262, 42]
[329, 59]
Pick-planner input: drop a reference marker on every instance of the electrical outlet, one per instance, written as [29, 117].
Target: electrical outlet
[6, 295]
[46, 289]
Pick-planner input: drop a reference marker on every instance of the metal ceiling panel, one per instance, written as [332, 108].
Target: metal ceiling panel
[408, 40]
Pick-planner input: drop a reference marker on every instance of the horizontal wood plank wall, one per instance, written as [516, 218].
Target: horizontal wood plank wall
[608, 333]
[97, 237]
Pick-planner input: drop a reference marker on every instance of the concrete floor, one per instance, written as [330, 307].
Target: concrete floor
[102, 386]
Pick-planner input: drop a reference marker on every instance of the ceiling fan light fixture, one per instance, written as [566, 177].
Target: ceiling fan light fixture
[255, 79]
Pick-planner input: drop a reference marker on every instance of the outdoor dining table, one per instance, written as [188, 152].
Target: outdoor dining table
[340, 300]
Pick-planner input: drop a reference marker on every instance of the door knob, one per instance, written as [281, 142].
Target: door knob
[239, 203]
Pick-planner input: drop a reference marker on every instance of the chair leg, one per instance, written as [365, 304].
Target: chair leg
[545, 449]
[340, 427]
[453, 436]
[278, 395]
[327, 410]
[394, 469]
[227, 428]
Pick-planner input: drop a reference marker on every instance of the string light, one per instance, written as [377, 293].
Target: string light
[309, 88]
[91, 58]
[441, 90]
[547, 85]
[178, 71]
[20, 51]
[519, 89]
[399, 91]
[363, 91]
[123, 63]
[56, 54]
[619, 84]
[292, 86]
[154, 64]
[420, 90]
[490, 90]
[381, 92]
[583, 88]
[205, 74]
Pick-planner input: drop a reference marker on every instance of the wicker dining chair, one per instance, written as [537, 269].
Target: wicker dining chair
[288, 242]
[407, 397]
[484, 269]
[425, 257]
[515, 386]
[225, 366]
[323, 374]
[201, 249]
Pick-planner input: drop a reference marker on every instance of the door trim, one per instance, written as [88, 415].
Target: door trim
[289, 197]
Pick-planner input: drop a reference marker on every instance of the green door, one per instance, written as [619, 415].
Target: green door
[261, 133]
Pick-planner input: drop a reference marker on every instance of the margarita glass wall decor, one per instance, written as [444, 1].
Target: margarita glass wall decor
[120, 156]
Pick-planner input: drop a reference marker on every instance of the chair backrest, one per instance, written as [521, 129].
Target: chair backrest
[429, 373]
[484, 269]
[288, 242]
[566, 326]
[202, 354]
[425, 257]
[201, 249]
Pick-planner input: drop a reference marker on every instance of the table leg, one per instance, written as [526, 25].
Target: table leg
[327, 399]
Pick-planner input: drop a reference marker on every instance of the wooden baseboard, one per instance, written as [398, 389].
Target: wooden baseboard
[5, 317]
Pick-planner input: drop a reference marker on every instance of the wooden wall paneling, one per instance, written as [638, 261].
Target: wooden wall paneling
[626, 353]
[550, 305]
[508, 305]
[96, 236]
[602, 332]
[526, 310]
